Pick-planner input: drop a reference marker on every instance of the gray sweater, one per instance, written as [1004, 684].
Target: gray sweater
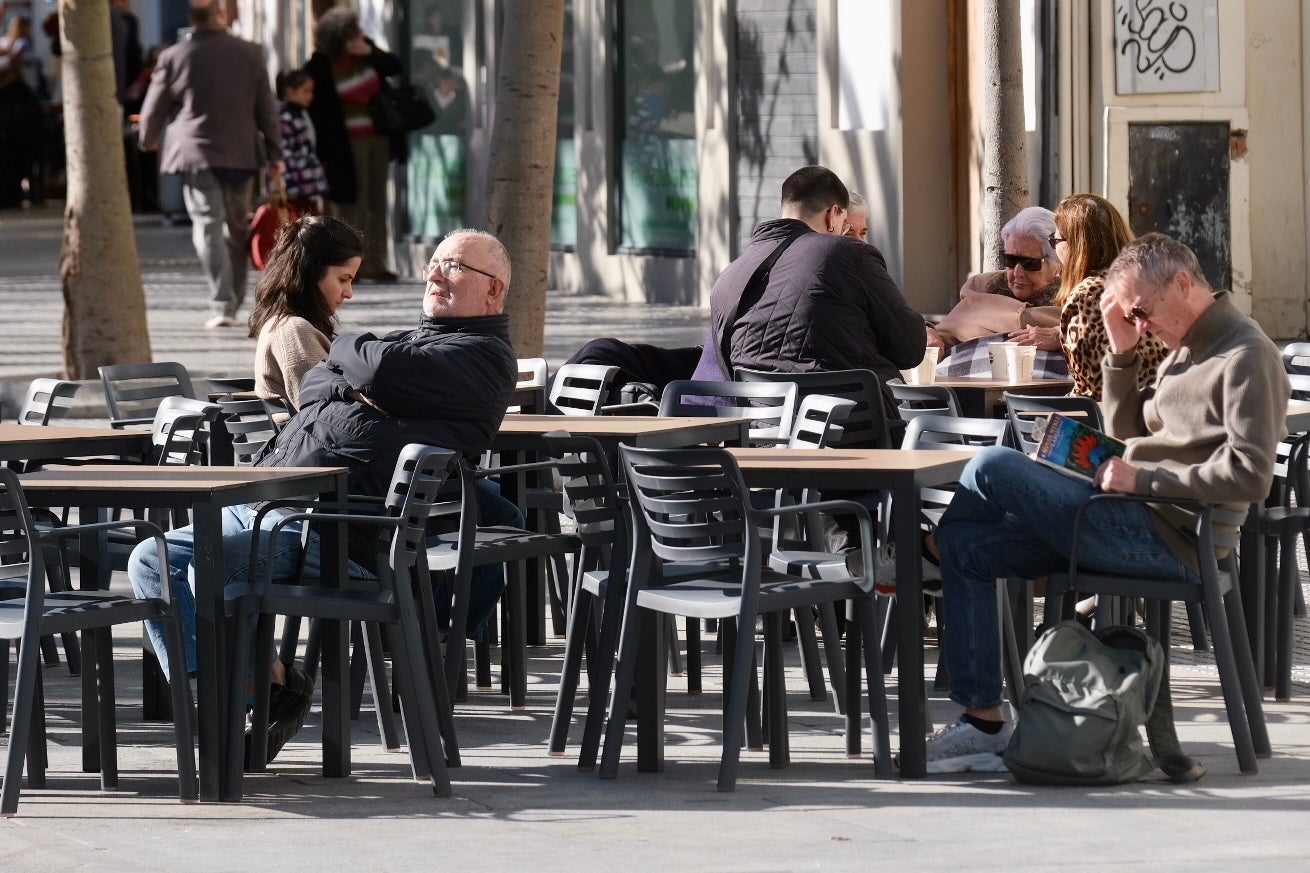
[1209, 426]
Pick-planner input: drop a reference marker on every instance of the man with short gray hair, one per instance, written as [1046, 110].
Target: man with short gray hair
[1207, 429]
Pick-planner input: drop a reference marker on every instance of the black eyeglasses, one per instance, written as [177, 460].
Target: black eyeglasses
[1031, 265]
[450, 268]
[1055, 238]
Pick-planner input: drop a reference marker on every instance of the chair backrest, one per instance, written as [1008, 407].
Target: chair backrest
[771, 406]
[865, 426]
[530, 388]
[818, 421]
[1027, 412]
[133, 391]
[591, 498]
[949, 432]
[1300, 384]
[954, 432]
[420, 473]
[1296, 357]
[251, 427]
[689, 504]
[177, 431]
[582, 389]
[916, 400]
[47, 399]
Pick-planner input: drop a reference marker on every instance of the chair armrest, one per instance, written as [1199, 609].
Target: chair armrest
[861, 513]
[1208, 515]
[152, 530]
[486, 472]
[311, 517]
[639, 407]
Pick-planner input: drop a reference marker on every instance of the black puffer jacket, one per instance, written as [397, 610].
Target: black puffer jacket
[446, 383]
[828, 304]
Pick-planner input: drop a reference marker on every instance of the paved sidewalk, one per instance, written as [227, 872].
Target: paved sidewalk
[515, 808]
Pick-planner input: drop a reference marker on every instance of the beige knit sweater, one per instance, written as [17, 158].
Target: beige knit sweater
[1209, 426]
[286, 350]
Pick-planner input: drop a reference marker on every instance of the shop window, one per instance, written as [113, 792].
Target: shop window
[656, 123]
[436, 169]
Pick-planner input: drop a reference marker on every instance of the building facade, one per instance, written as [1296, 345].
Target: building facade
[679, 119]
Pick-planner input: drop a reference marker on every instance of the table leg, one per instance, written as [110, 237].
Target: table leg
[212, 659]
[93, 575]
[335, 657]
[909, 619]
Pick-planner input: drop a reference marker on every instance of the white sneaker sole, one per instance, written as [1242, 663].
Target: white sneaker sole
[981, 762]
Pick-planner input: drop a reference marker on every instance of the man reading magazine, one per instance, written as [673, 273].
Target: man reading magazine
[1207, 429]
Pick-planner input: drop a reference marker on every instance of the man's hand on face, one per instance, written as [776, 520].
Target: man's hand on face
[1117, 476]
[1121, 333]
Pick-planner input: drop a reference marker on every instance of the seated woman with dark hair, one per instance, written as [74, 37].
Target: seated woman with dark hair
[309, 274]
[1016, 297]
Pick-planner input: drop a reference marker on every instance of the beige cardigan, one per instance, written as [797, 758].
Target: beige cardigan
[287, 348]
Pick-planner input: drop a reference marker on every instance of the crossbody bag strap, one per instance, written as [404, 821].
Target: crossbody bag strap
[757, 280]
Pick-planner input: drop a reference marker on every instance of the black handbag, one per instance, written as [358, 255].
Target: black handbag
[400, 107]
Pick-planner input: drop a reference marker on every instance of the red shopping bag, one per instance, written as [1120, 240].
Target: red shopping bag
[269, 217]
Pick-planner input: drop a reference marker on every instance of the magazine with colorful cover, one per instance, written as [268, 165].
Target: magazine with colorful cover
[1073, 447]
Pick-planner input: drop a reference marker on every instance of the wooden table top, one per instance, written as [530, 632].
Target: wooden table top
[610, 425]
[169, 479]
[988, 383]
[19, 442]
[882, 460]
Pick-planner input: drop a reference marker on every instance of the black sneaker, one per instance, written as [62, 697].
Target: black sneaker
[288, 707]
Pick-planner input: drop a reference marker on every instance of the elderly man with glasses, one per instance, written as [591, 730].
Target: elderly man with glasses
[1206, 429]
[446, 382]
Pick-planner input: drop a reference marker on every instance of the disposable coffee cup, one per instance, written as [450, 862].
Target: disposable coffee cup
[927, 369]
[1001, 360]
[1019, 363]
[1027, 358]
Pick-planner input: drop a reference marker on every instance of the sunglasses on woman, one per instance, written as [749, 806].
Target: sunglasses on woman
[1031, 265]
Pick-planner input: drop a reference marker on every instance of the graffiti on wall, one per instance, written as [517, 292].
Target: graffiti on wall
[1166, 46]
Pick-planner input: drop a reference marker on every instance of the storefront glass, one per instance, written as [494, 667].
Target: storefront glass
[436, 170]
[564, 208]
[657, 126]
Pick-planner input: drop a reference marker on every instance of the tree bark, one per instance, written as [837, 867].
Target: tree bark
[104, 300]
[1005, 160]
[521, 178]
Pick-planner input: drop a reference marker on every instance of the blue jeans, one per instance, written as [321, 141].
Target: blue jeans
[143, 569]
[1013, 516]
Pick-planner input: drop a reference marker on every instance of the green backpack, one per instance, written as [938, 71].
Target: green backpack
[1087, 696]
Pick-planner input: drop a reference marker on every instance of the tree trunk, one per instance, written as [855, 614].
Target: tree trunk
[521, 179]
[1005, 162]
[104, 300]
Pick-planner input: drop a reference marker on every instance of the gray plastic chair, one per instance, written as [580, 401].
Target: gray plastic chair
[1214, 529]
[915, 400]
[401, 526]
[866, 425]
[47, 399]
[133, 391]
[582, 389]
[771, 406]
[691, 505]
[250, 426]
[93, 613]
[1296, 357]
[1027, 412]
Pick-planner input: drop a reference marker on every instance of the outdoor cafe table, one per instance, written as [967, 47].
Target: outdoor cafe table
[205, 491]
[903, 473]
[20, 442]
[981, 395]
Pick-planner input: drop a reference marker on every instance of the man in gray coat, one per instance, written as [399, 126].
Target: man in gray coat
[219, 88]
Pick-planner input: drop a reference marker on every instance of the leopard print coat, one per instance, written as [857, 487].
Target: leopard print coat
[1084, 341]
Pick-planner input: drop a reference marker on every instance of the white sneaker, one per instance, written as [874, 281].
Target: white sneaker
[884, 567]
[960, 747]
[220, 321]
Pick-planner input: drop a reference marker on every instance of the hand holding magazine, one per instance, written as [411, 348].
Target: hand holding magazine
[1073, 447]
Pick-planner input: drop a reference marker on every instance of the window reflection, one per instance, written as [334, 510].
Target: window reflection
[657, 128]
[436, 168]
